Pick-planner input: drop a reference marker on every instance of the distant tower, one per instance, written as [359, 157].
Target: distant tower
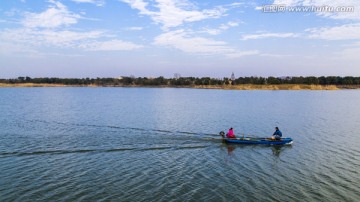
[232, 77]
[177, 75]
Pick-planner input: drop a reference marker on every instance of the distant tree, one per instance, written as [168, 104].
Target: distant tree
[27, 79]
[161, 80]
[322, 80]
[260, 81]
[186, 81]
[127, 80]
[21, 79]
[205, 80]
[215, 82]
[311, 80]
[273, 80]
[198, 81]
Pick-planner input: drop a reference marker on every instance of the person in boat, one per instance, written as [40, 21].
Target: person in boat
[277, 134]
[230, 134]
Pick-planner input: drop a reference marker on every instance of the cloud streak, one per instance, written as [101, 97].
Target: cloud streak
[55, 16]
[170, 13]
[332, 3]
[344, 32]
[182, 40]
[95, 2]
[269, 35]
[50, 28]
[87, 41]
[111, 45]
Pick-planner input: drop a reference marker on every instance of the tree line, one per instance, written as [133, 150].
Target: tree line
[188, 81]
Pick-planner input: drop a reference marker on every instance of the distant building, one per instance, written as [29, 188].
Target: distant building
[232, 77]
[177, 75]
[286, 78]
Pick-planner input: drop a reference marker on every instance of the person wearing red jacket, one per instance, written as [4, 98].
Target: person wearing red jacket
[230, 134]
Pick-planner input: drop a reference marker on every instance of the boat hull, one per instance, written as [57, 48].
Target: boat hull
[265, 141]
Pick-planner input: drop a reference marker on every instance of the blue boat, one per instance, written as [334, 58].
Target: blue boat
[256, 140]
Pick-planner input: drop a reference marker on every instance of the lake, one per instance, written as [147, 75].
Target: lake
[162, 144]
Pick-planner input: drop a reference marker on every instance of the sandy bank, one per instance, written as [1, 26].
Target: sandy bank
[226, 87]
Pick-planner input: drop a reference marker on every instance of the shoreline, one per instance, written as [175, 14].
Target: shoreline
[224, 87]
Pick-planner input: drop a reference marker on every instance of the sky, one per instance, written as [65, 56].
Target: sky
[151, 38]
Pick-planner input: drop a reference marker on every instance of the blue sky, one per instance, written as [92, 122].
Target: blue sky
[111, 38]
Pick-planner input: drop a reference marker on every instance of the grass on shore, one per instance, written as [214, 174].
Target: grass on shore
[273, 87]
[227, 87]
[21, 85]
[31, 85]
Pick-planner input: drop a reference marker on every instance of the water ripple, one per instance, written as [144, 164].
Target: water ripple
[163, 145]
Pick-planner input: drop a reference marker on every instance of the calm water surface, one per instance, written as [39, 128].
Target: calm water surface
[147, 144]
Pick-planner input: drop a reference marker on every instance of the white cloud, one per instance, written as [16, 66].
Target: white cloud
[139, 5]
[281, 56]
[237, 54]
[173, 13]
[50, 29]
[224, 27]
[233, 24]
[269, 35]
[112, 45]
[220, 29]
[13, 12]
[344, 32]
[228, 25]
[96, 2]
[68, 38]
[55, 16]
[134, 28]
[211, 31]
[47, 37]
[182, 40]
[288, 2]
[237, 4]
[331, 3]
[89, 41]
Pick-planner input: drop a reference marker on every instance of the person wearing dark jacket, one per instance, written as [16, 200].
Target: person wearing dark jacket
[277, 134]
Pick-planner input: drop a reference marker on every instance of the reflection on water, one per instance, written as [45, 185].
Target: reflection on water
[142, 144]
[276, 149]
[230, 149]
